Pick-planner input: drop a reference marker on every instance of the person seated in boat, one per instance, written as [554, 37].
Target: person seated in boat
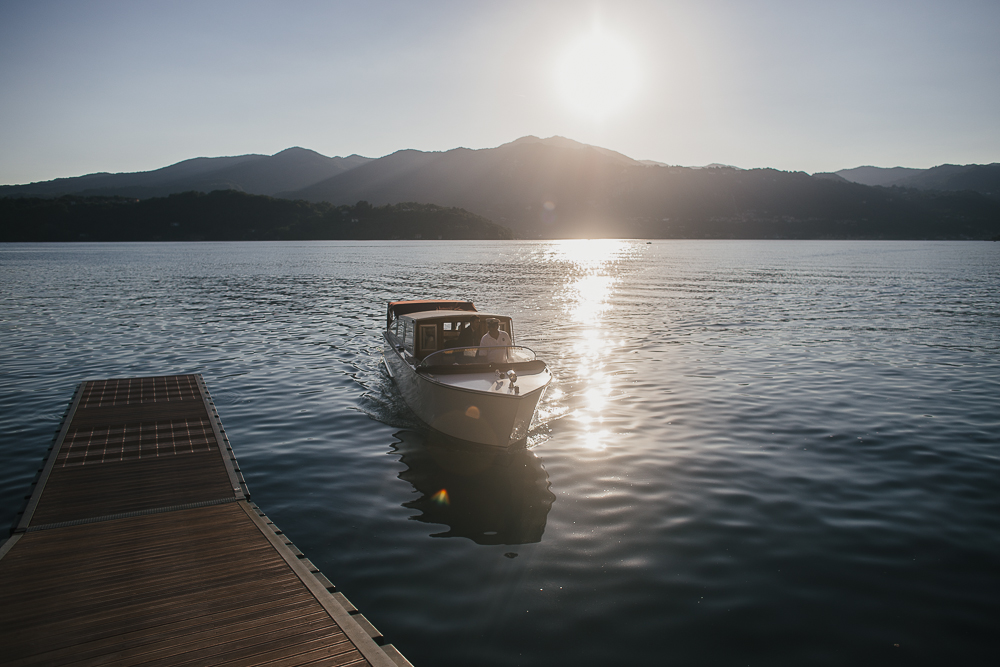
[467, 337]
[494, 337]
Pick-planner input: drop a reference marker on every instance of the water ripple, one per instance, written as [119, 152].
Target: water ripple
[772, 453]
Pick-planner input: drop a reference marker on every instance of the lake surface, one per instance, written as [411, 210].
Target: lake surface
[754, 452]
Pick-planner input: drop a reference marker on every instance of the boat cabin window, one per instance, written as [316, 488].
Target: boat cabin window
[408, 335]
[450, 332]
[428, 338]
[422, 337]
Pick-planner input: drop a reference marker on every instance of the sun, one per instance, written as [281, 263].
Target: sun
[597, 75]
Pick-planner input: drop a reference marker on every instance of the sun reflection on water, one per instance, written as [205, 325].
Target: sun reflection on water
[592, 274]
[590, 279]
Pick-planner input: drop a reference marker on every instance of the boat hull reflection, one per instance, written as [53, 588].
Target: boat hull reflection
[485, 494]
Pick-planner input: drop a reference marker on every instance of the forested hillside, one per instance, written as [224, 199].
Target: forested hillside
[226, 215]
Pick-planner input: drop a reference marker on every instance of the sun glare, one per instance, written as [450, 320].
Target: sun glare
[597, 75]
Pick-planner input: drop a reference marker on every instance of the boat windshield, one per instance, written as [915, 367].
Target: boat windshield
[478, 355]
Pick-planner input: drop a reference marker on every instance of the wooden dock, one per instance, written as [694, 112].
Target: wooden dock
[139, 545]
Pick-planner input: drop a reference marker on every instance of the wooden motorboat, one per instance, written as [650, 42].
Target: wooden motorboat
[480, 394]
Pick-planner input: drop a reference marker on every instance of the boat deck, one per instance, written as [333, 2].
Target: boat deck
[139, 545]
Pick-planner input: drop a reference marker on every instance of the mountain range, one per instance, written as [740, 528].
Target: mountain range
[557, 187]
[982, 178]
[290, 169]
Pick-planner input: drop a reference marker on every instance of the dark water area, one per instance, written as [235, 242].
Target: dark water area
[754, 452]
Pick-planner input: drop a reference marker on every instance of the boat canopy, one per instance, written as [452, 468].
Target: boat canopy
[397, 308]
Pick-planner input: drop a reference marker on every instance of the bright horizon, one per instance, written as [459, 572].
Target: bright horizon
[121, 87]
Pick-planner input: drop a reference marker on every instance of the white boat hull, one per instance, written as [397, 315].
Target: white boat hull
[496, 416]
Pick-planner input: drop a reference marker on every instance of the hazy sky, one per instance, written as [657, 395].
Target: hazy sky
[799, 85]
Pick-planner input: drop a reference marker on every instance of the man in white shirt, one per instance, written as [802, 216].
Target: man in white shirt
[494, 337]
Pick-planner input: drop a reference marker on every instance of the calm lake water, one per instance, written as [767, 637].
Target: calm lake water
[763, 453]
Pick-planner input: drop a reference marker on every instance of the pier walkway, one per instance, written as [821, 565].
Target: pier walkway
[139, 545]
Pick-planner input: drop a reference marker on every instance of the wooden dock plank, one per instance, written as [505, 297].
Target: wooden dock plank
[260, 649]
[188, 630]
[34, 618]
[90, 619]
[90, 418]
[197, 638]
[126, 391]
[77, 493]
[138, 546]
[258, 638]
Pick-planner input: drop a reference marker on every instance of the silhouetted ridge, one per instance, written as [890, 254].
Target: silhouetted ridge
[982, 178]
[869, 175]
[557, 188]
[292, 168]
[553, 188]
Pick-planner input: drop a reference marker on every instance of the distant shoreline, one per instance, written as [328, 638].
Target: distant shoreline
[228, 215]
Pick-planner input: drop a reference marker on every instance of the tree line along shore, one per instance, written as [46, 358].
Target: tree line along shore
[230, 215]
